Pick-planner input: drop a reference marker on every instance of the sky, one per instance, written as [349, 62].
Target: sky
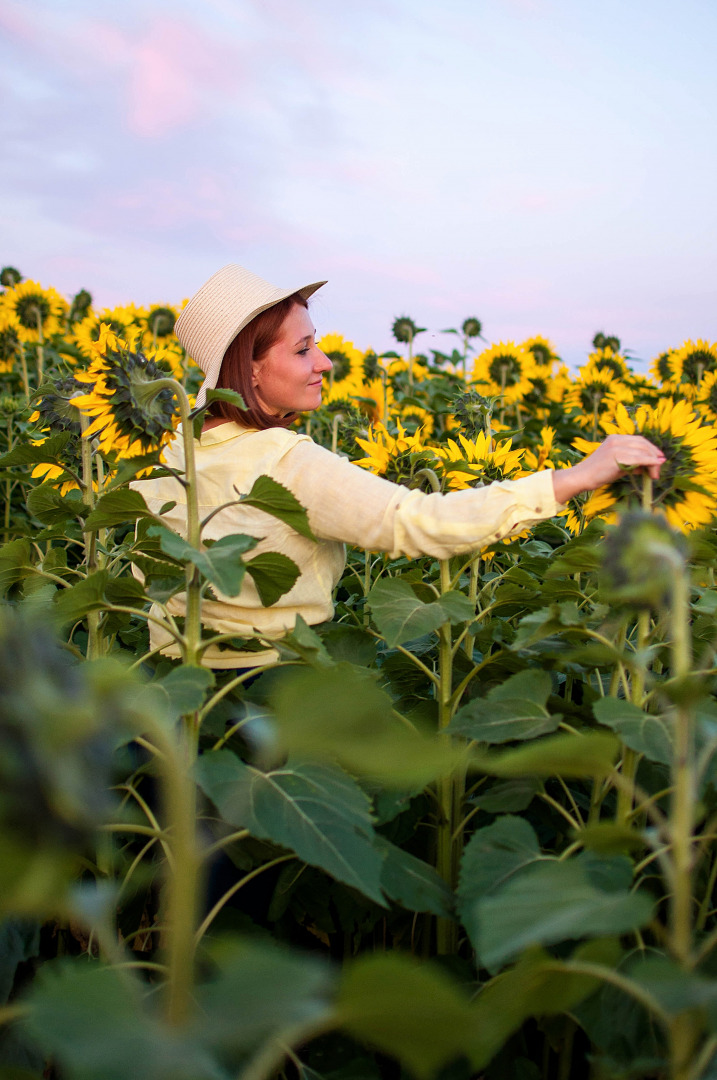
[545, 165]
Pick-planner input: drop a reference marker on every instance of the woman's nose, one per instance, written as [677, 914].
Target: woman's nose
[322, 362]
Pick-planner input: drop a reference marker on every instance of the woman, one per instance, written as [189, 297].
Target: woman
[250, 336]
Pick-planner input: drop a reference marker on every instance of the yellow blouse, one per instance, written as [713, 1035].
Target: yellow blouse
[345, 505]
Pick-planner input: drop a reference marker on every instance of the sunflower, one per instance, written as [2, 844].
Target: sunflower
[661, 368]
[542, 350]
[481, 459]
[39, 312]
[595, 395]
[548, 388]
[344, 355]
[160, 322]
[705, 401]
[686, 491]
[129, 415]
[607, 357]
[398, 457]
[417, 418]
[692, 361]
[10, 343]
[505, 369]
[542, 456]
[121, 322]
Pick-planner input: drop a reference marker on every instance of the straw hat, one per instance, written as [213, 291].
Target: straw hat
[222, 307]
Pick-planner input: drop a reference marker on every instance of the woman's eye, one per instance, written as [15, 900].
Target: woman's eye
[303, 351]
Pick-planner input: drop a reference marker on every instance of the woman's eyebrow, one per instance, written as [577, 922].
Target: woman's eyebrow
[308, 337]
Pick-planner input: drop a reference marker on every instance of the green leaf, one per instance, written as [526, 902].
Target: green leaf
[546, 904]
[494, 855]
[507, 796]
[275, 499]
[412, 1011]
[538, 985]
[73, 604]
[117, 508]
[19, 941]
[221, 563]
[126, 591]
[412, 883]
[15, 563]
[45, 503]
[398, 613]
[314, 810]
[556, 755]
[304, 642]
[259, 991]
[233, 397]
[92, 1019]
[513, 710]
[643, 732]
[27, 454]
[456, 607]
[186, 688]
[339, 713]
[273, 574]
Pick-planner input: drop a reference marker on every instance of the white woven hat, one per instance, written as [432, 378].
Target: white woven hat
[222, 307]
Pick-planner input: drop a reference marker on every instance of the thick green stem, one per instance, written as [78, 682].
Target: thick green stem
[630, 759]
[181, 895]
[474, 570]
[448, 797]
[685, 1028]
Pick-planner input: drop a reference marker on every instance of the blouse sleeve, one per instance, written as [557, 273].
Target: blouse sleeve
[345, 502]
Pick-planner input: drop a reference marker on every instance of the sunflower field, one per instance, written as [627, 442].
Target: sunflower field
[462, 831]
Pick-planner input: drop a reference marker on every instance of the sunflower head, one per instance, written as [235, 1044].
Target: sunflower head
[692, 361]
[131, 415]
[405, 329]
[542, 351]
[53, 408]
[473, 412]
[400, 457]
[370, 366]
[80, 306]
[606, 341]
[472, 327]
[607, 357]
[686, 491]
[38, 311]
[505, 369]
[10, 343]
[641, 556]
[160, 322]
[661, 368]
[9, 276]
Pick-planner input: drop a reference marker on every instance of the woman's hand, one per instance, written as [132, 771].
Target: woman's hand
[607, 464]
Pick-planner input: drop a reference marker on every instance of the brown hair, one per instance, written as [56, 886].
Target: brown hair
[251, 344]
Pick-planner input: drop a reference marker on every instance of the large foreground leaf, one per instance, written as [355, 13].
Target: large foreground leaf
[556, 901]
[314, 810]
[412, 1011]
[555, 755]
[340, 713]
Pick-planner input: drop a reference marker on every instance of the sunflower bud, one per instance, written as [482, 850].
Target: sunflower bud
[405, 329]
[9, 276]
[472, 327]
[80, 306]
[641, 557]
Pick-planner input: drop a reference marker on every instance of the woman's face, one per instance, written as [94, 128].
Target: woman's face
[288, 377]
